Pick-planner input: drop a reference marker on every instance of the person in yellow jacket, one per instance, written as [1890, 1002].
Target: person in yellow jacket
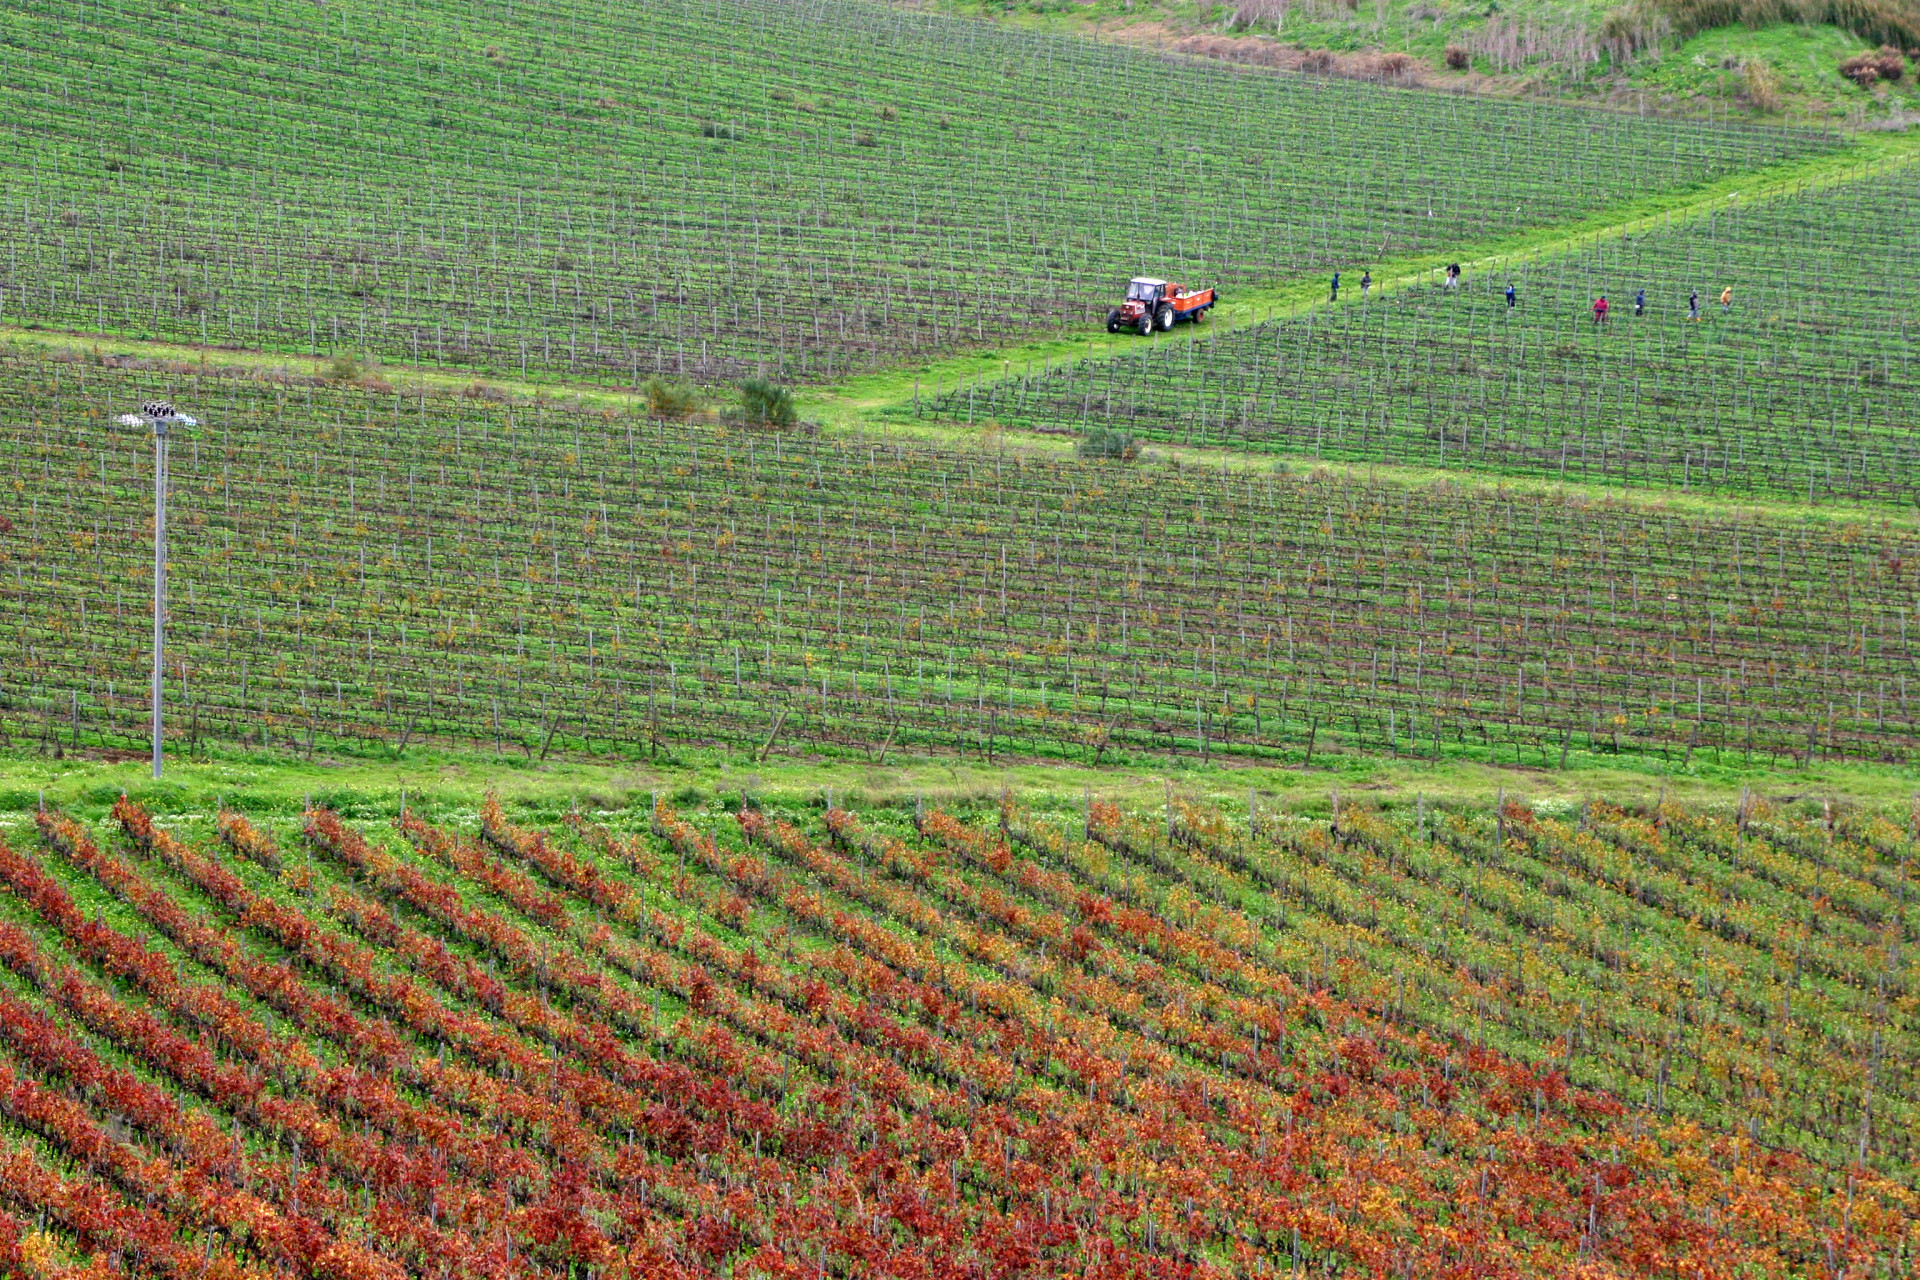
[1726, 300]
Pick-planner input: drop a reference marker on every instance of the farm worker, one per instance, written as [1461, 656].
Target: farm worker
[1600, 309]
[1453, 275]
[1693, 305]
[1726, 300]
[1510, 298]
[1366, 283]
[1640, 303]
[1333, 294]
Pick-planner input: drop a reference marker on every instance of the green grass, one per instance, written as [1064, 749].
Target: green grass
[452, 777]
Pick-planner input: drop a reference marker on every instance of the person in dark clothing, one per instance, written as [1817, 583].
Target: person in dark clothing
[1333, 294]
[1510, 297]
[1366, 283]
[1453, 275]
[1640, 303]
[1693, 305]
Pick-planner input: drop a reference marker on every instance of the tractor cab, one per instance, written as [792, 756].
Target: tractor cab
[1145, 290]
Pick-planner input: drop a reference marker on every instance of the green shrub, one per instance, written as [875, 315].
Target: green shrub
[1102, 443]
[343, 368]
[763, 404]
[669, 398]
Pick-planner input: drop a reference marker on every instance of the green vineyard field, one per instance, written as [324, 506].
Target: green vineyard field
[1808, 387]
[604, 193]
[357, 565]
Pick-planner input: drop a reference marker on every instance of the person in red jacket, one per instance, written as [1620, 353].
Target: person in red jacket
[1600, 305]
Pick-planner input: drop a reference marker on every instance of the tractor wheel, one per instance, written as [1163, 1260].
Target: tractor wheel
[1146, 324]
[1199, 314]
[1165, 316]
[1113, 321]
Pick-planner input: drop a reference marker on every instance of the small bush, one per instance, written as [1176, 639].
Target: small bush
[889, 113]
[668, 398]
[762, 404]
[1861, 69]
[1762, 86]
[1318, 60]
[865, 139]
[1885, 63]
[714, 129]
[1102, 443]
[343, 368]
[1457, 58]
[780, 95]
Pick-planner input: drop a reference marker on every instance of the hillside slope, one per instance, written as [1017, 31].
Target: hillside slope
[608, 192]
[1770, 59]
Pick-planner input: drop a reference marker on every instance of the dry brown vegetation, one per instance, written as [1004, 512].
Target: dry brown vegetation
[1890, 22]
[1884, 63]
[1392, 68]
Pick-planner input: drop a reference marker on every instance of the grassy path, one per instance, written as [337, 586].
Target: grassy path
[462, 775]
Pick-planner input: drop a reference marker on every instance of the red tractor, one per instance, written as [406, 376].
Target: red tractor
[1155, 304]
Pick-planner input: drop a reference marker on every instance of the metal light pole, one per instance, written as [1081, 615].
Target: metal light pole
[158, 415]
